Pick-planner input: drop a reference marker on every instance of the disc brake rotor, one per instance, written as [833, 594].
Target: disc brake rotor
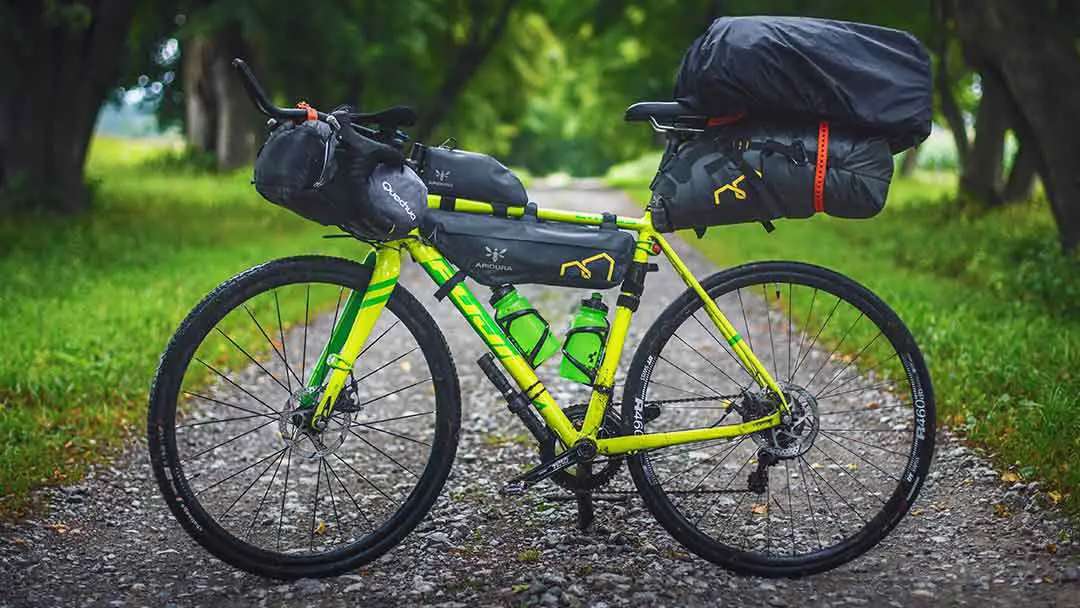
[794, 437]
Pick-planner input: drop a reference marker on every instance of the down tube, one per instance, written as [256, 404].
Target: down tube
[440, 271]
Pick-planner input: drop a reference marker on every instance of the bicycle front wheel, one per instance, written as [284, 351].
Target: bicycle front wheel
[833, 479]
[238, 467]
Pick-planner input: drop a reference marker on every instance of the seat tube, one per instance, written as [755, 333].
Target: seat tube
[629, 298]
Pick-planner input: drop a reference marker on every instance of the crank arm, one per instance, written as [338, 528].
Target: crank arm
[521, 484]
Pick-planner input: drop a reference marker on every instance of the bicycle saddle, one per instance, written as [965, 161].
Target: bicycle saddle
[660, 110]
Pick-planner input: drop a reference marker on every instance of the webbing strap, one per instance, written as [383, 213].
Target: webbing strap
[445, 289]
[822, 163]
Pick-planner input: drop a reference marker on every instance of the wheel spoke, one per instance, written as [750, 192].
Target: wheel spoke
[695, 379]
[229, 380]
[227, 404]
[849, 364]
[835, 349]
[396, 391]
[284, 347]
[384, 454]
[364, 479]
[217, 420]
[258, 509]
[862, 458]
[869, 445]
[228, 441]
[233, 475]
[279, 454]
[356, 505]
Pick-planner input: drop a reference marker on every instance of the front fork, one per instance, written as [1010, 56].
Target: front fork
[350, 333]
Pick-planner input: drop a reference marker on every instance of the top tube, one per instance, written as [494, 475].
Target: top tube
[552, 215]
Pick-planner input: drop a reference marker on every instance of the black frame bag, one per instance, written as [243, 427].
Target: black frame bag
[758, 172]
[499, 251]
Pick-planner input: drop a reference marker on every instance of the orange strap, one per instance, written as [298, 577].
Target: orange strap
[716, 121]
[822, 162]
[312, 114]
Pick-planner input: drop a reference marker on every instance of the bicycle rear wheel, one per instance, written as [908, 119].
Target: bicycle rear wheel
[825, 486]
[227, 440]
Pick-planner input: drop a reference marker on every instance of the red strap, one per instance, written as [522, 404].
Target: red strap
[312, 114]
[822, 162]
[716, 121]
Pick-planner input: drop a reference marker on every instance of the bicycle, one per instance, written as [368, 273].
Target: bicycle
[738, 463]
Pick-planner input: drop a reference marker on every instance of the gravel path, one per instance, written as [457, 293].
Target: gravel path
[110, 541]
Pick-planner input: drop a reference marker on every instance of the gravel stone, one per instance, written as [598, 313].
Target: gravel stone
[110, 539]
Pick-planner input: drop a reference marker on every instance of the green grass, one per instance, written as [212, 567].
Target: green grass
[991, 300]
[89, 303]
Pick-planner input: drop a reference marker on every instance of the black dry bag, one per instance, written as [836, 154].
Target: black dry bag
[758, 172]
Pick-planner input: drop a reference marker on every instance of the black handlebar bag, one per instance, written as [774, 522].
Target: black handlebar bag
[307, 169]
[499, 251]
[759, 172]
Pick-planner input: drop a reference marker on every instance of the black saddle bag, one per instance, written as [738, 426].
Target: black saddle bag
[758, 172]
[469, 175]
[498, 251]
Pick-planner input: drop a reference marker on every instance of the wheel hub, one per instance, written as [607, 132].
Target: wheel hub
[312, 439]
[794, 436]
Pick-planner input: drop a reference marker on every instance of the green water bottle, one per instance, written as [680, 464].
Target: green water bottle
[585, 341]
[527, 330]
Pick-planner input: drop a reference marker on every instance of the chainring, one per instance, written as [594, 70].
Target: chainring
[611, 426]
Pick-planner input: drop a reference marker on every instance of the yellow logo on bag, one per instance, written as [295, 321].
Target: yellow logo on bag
[583, 266]
[739, 193]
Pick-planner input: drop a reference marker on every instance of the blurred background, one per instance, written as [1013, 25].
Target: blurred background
[126, 143]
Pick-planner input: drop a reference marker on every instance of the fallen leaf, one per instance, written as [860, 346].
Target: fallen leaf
[59, 528]
[520, 588]
[1010, 477]
[1055, 496]
[1051, 548]
[760, 509]
[1001, 510]
[321, 528]
[873, 405]
[852, 466]
[916, 512]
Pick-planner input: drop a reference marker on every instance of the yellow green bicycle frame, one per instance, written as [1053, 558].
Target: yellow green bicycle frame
[335, 364]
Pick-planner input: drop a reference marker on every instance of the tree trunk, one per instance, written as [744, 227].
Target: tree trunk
[1040, 68]
[220, 117]
[1021, 182]
[909, 162]
[943, 83]
[237, 118]
[64, 63]
[980, 177]
[199, 100]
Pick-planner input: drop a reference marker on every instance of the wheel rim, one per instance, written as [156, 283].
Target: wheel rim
[250, 469]
[842, 470]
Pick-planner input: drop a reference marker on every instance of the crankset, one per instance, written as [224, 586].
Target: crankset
[583, 452]
[579, 480]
